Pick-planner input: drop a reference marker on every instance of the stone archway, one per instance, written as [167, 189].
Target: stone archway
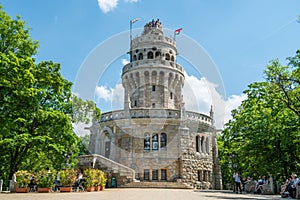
[104, 141]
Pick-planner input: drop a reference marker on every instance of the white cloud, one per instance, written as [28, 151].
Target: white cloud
[200, 94]
[110, 98]
[124, 61]
[103, 93]
[107, 5]
[233, 102]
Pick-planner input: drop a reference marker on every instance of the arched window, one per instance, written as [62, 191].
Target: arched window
[163, 141]
[202, 144]
[197, 143]
[157, 54]
[147, 142]
[207, 145]
[140, 56]
[150, 55]
[167, 56]
[155, 142]
[134, 58]
[204, 175]
[172, 58]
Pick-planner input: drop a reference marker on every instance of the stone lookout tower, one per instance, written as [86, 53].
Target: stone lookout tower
[154, 139]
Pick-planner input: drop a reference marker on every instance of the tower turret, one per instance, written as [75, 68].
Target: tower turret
[153, 79]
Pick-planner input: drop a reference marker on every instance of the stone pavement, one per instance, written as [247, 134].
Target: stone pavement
[139, 194]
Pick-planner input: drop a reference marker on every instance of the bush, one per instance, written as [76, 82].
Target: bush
[67, 177]
[23, 178]
[89, 177]
[46, 179]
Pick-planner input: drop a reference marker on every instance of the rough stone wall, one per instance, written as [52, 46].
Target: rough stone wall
[180, 159]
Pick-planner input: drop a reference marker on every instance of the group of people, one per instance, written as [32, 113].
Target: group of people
[152, 25]
[253, 186]
[289, 187]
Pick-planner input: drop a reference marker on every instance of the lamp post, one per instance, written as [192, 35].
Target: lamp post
[233, 166]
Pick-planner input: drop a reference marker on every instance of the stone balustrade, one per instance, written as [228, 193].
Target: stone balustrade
[152, 39]
[156, 113]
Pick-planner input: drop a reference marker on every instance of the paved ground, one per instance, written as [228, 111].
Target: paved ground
[139, 194]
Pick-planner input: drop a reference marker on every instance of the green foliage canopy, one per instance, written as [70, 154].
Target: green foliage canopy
[35, 103]
[265, 129]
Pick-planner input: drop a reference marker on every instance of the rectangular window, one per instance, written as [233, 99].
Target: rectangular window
[163, 141]
[147, 142]
[155, 175]
[197, 143]
[153, 88]
[163, 175]
[155, 142]
[199, 175]
[153, 105]
[146, 174]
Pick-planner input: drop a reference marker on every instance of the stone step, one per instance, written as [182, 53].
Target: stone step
[171, 185]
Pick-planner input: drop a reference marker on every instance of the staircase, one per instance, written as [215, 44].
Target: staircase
[163, 185]
[101, 162]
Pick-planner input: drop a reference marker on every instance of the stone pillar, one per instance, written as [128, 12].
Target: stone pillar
[159, 175]
[271, 184]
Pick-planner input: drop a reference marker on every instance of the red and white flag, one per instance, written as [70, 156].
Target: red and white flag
[177, 32]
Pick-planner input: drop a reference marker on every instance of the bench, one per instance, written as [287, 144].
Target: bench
[266, 189]
[250, 187]
[297, 192]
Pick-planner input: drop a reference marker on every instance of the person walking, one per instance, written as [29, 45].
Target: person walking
[237, 180]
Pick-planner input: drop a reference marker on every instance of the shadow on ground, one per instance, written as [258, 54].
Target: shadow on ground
[231, 195]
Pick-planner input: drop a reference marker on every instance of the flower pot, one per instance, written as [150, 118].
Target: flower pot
[44, 190]
[22, 190]
[97, 188]
[90, 189]
[65, 189]
[102, 187]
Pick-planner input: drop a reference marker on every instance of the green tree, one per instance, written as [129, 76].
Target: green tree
[84, 110]
[264, 131]
[35, 103]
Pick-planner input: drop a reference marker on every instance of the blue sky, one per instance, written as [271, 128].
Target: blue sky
[241, 36]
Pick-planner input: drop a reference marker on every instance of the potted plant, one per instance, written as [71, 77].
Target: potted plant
[23, 179]
[67, 178]
[97, 179]
[89, 177]
[45, 181]
[103, 180]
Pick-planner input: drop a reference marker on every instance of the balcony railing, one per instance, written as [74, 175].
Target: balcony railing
[156, 113]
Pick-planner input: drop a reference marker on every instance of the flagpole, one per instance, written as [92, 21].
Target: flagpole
[174, 36]
[130, 41]
[130, 27]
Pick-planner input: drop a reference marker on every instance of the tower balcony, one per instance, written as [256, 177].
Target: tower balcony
[152, 39]
[156, 113]
[152, 63]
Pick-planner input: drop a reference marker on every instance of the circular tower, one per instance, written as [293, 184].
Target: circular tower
[153, 79]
